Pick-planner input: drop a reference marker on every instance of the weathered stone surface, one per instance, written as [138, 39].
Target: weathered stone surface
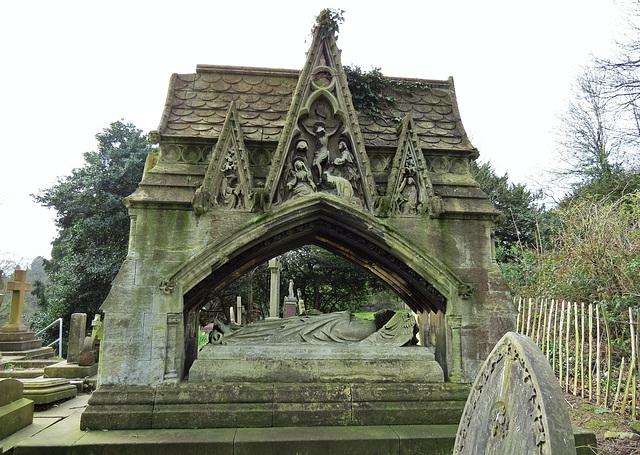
[18, 287]
[70, 370]
[516, 405]
[15, 416]
[209, 405]
[315, 363]
[10, 390]
[194, 229]
[316, 441]
[77, 333]
[117, 408]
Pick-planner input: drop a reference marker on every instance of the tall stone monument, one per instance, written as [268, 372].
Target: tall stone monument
[15, 336]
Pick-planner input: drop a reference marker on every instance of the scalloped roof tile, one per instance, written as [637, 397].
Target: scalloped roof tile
[197, 106]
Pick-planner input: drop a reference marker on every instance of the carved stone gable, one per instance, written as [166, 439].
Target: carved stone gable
[409, 188]
[227, 183]
[321, 148]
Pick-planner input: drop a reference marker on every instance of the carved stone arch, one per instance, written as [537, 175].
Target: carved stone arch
[424, 282]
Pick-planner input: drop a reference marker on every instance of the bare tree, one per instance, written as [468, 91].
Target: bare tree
[589, 146]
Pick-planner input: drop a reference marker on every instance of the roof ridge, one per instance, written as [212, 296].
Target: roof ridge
[201, 68]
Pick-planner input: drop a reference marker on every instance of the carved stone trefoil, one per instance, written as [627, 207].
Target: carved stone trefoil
[227, 183]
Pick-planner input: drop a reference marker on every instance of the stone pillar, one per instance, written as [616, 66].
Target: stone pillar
[274, 297]
[455, 323]
[239, 310]
[171, 363]
[301, 307]
[77, 333]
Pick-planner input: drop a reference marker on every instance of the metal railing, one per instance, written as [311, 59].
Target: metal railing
[57, 340]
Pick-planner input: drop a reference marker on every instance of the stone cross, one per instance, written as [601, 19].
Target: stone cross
[18, 287]
[274, 295]
[97, 327]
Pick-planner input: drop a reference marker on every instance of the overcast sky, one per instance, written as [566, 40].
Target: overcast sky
[69, 69]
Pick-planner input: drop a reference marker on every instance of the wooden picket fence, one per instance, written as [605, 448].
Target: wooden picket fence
[594, 356]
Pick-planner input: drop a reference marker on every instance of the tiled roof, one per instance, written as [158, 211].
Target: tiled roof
[197, 105]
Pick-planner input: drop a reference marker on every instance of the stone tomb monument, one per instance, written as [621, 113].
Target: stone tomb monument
[15, 336]
[516, 405]
[255, 162]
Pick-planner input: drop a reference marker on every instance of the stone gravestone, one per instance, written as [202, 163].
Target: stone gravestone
[77, 334]
[81, 352]
[516, 405]
[16, 412]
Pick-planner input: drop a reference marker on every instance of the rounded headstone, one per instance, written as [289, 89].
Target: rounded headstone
[516, 405]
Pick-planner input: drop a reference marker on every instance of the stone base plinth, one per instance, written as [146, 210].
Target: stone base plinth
[315, 363]
[70, 370]
[227, 405]
[15, 416]
[18, 341]
[67, 437]
[44, 391]
[16, 412]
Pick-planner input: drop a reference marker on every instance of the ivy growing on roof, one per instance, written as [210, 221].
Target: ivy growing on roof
[370, 90]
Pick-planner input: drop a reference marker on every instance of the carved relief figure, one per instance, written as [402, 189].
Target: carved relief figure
[302, 182]
[342, 185]
[230, 194]
[322, 153]
[388, 327]
[409, 196]
[345, 165]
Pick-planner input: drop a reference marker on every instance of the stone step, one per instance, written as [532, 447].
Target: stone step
[383, 439]
[24, 373]
[37, 353]
[228, 405]
[34, 363]
[48, 390]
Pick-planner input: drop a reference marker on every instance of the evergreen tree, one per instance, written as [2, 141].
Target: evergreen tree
[93, 222]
